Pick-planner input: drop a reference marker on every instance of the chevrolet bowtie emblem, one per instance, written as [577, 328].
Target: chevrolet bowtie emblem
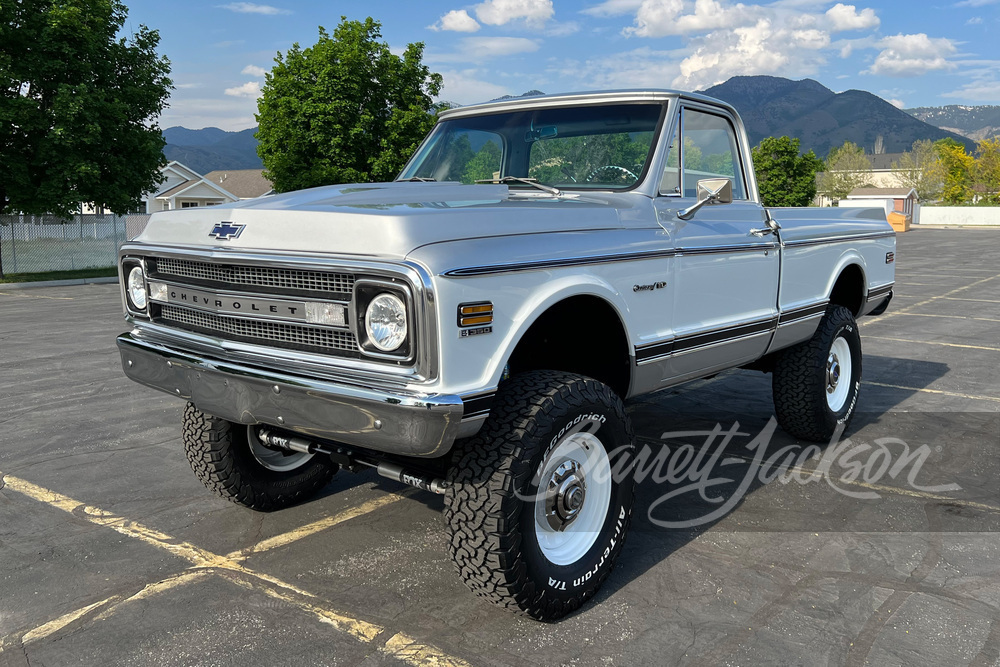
[226, 230]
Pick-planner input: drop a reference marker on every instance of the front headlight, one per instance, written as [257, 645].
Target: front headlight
[385, 322]
[137, 288]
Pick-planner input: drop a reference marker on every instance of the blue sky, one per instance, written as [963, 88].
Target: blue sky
[910, 53]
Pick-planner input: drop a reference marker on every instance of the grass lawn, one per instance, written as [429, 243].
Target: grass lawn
[58, 275]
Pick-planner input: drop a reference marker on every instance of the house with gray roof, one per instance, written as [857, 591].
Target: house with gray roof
[182, 187]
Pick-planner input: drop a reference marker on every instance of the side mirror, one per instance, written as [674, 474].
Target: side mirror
[710, 191]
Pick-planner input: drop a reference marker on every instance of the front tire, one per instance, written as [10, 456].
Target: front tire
[230, 460]
[538, 504]
[816, 383]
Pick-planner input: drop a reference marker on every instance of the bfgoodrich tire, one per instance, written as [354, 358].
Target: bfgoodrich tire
[229, 460]
[537, 506]
[816, 383]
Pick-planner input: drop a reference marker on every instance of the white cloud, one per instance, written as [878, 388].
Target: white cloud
[534, 13]
[638, 68]
[846, 17]
[482, 49]
[464, 87]
[899, 104]
[757, 49]
[613, 8]
[912, 55]
[249, 89]
[253, 8]
[659, 18]
[975, 20]
[227, 113]
[563, 29]
[457, 20]
[976, 3]
[253, 70]
[977, 91]
[187, 86]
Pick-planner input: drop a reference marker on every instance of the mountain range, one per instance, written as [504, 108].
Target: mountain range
[974, 122]
[822, 119]
[769, 106]
[210, 148]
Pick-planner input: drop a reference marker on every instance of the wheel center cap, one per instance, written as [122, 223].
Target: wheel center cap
[566, 491]
[832, 373]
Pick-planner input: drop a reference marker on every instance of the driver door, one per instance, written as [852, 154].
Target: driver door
[725, 284]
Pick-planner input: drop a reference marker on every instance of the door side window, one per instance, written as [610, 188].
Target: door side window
[708, 150]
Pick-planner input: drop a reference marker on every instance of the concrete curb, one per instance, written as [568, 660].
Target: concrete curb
[107, 280]
[936, 226]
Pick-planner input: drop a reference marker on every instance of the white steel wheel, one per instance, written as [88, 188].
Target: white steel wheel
[574, 493]
[275, 459]
[838, 374]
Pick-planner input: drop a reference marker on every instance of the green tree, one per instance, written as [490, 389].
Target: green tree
[986, 173]
[920, 168]
[957, 166]
[847, 168]
[784, 177]
[344, 110]
[78, 107]
[483, 165]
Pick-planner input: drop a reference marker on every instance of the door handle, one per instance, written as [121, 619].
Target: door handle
[761, 232]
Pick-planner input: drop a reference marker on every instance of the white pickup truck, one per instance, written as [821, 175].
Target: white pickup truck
[475, 327]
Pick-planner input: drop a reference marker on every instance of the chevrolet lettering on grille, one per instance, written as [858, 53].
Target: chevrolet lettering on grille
[233, 305]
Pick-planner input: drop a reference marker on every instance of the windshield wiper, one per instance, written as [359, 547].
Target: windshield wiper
[416, 179]
[526, 181]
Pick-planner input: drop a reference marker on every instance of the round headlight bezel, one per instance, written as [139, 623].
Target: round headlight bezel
[135, 288]
[396, 343]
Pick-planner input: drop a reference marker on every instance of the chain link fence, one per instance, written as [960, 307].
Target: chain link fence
[36, 243]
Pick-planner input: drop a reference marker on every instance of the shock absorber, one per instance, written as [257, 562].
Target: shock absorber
[347, 460]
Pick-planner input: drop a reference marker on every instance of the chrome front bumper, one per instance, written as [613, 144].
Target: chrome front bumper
[382, 420]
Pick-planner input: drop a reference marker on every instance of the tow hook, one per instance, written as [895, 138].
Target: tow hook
[347, 460]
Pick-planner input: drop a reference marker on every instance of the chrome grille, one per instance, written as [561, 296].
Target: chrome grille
[276, 334]
[257, 276]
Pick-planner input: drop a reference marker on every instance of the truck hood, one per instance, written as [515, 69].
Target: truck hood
[383, 220]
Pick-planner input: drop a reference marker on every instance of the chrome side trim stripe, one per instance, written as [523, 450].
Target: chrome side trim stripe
[477, 405]
[651, 351]
[801, 313]
[554, 263]
[468, 271]
[880, 291]
[717, 250]
[838, 239]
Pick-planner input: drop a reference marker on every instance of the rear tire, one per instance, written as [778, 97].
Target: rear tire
[223, 457]
[535, 515]
[816, 383]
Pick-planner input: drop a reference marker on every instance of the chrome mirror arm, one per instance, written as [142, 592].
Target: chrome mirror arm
[688, 213]
[710, 191]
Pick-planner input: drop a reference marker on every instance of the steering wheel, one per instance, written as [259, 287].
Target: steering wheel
[612, 173]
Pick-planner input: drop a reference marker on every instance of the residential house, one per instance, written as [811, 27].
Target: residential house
[900, 204]
[183, 187]
[882, 175]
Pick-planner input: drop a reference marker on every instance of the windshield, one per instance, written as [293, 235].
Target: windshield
[583, 147]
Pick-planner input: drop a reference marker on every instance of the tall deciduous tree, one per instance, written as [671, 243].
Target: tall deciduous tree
[847, 168]
[957, 166]
[920, 168]
[344, 110]
[784, 177]
[78, 107]
[986, 174]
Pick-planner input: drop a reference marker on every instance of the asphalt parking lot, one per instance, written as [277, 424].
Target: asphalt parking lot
[880, 549]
